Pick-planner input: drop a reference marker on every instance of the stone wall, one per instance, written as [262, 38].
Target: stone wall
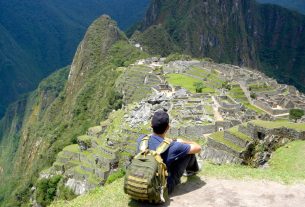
[222, 125]
[219, 156]
[195, 131]
[270, 110]
[245, 130]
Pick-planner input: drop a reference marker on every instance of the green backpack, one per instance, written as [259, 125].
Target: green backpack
[146, 176]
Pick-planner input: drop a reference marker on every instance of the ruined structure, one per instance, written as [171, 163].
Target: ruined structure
[217, 115]
[251, 143]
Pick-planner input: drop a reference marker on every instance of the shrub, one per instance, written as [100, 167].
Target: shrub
[114, 176]
[198, 87]
[253, 95]
[296, 114]
[46, 190]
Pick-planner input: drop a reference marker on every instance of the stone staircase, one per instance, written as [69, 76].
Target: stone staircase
[229, 146]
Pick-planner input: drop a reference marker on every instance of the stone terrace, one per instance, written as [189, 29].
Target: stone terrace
[237, 144]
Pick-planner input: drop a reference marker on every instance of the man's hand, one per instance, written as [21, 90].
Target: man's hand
[195, 148]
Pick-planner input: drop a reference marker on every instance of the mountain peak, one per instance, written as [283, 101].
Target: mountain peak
[99, 38]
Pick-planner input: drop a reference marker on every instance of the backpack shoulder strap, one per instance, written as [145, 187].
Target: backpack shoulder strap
[144, 143]
[163, 146]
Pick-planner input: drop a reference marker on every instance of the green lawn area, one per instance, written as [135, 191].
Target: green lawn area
[219, 137]
[237, 133]
[271, 124]
[238, 94]
[286, 166]
[187, 82]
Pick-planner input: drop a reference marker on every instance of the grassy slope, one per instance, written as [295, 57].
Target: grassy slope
[297, 126]
[286, 166]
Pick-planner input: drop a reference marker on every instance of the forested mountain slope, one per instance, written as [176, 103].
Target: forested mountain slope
[240, 32]
[38, 37]
[39, 125]
[297, 5]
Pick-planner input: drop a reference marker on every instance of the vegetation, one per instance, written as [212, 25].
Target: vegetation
[219, 137]
[225, 43]
[296, 5]
[271, 124]
[198, 87]
[177, 56]
[258, 87]
[187, 82]
[253, 95]
[238, 94]
[156, 41]
[296, 114]
[54, 115]
[114, 176]
[46, 190]
[226, 85]
[286, 166]
[53, 29]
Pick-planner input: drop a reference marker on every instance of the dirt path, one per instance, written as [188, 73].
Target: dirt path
[229, 193]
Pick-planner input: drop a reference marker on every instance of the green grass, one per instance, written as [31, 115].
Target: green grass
[286, 166]
[187, 82]
[219, 137]
[300, 127]
[183, 81]
[212, 78]
[72, 148]
[238, 94]
[238, 134]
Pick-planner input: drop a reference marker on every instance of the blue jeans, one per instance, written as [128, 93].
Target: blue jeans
[178, 167]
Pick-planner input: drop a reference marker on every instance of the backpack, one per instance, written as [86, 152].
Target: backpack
[146, 176]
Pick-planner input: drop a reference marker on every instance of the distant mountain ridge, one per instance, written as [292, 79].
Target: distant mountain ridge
[266, 37]
[38, 37]
[297, 5]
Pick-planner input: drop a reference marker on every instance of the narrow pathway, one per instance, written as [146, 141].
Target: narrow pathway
[216, 105]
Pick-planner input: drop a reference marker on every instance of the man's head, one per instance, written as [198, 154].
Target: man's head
[160, 122]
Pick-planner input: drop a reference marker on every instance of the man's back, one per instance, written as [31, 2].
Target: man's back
[175, 151]
[179, 157]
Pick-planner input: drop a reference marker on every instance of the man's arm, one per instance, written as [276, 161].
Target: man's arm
[195, 148]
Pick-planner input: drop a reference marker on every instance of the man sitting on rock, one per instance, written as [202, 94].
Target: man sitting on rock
[179, 158]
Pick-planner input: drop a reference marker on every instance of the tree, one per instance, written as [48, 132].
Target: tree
[296, 114]
[253, 95]
[198, 87]
[226, 85]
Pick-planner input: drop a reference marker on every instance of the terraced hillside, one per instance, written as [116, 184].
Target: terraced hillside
[251, 143]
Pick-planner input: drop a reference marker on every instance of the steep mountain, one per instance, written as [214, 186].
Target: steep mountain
[38, 37]
[39, 125]
[241, 32]
[297, 5]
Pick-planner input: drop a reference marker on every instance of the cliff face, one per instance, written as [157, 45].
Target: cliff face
[63, 107]
[236, 31]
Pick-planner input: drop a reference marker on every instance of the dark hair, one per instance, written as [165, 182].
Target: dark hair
[160, 122]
